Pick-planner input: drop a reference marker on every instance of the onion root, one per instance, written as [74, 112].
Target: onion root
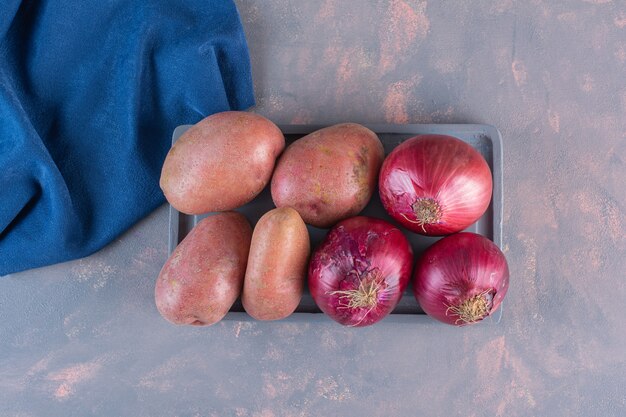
[472, 309]
[365, 296]
[426, 210]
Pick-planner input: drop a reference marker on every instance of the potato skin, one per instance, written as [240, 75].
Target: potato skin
[277, 265]
[221, 163]
[204, 275]
[330, 174]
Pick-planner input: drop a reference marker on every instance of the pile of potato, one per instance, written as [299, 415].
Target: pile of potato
[222, 163]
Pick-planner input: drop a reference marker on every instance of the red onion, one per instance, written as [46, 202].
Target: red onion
[435, 184]
[358, 273]
[461, 279]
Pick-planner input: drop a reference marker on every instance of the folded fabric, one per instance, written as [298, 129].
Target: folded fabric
[90, 92]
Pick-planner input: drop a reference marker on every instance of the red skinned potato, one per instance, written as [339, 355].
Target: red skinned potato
[277, 265]
[204, 275]
[330, 174]
[221, 163]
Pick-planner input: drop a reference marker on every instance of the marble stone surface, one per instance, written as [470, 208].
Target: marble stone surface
[84, 338]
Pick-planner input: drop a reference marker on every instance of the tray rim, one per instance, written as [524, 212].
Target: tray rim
[488, 130]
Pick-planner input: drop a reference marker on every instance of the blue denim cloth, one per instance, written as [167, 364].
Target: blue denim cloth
[90, 92]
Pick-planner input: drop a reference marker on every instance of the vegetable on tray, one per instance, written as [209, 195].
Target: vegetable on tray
[203, 277]
[329, 174]
[435, 184]
[277, 265]
[359, 272]
[221, 163]
[461, 279]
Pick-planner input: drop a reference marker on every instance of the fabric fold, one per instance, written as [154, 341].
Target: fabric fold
[90, 93]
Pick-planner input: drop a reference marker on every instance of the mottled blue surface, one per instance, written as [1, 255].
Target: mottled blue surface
[84, 338]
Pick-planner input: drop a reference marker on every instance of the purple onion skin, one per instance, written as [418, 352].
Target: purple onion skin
[435, 185]
[360, 252]
[461, 267]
